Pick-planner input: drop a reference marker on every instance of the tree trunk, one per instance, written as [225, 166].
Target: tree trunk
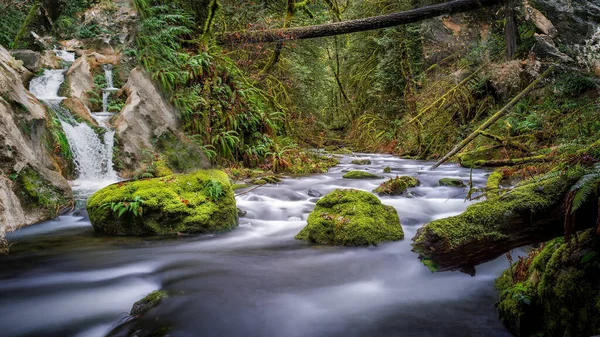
[511, 32]
[360, 25]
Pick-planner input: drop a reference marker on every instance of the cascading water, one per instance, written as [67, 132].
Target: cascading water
[91, 155]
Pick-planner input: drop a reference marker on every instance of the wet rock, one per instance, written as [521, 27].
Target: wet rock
[452, 182]
[361, 162]
[396, 186]
[360, 175]
[351, 218]
[241, 213]
[387, 169]
[201, 202]
[148, 302]
[314, 193]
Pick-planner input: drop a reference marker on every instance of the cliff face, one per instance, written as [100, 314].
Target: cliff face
[32, 188]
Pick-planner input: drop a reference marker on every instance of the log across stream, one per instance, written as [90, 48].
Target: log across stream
[62, 279]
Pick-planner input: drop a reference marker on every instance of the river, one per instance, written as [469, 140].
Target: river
[62, 279]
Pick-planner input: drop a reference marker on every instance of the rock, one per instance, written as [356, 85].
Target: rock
[31, 59]
[360, 175]
[361, 162]
[387, 169]
[78, 109]
[396, 186]
[452, 182]
[351, 218]
[148, 302]
[201, 202]
[314, 193]
[545, 50]
[241, 213]
[541, 22]
[31, 186]
[490, 228]
[80, 80]
[554, 291]
[50, 60]
[148, 122]
[575, 20]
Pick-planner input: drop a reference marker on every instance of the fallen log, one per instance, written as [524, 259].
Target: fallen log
[511, 161]
[530, 213]
[353, 26]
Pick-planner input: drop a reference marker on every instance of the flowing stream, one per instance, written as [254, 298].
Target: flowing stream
[62, 279]
[92, 155]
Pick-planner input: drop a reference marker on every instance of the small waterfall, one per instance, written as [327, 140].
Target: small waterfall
[108, 75]
[91, 155]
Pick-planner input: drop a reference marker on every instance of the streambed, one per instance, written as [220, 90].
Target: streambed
[62, 279]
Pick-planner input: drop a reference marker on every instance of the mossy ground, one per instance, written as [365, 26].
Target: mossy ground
[186, 203]
[396, 186]
[351, 218]
[360, 175]
[452, 182]
[558, 294]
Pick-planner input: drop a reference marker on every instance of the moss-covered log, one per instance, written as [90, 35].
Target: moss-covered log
[531, 212]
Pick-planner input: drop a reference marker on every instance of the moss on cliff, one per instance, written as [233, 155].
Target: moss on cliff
[37, 193]
[396, 186]
[351, 218]
[201, 202]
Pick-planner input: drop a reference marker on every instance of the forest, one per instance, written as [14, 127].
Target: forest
[300, 168]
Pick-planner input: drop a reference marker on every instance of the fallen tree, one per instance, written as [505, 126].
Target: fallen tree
[353, 26]
[530, 213]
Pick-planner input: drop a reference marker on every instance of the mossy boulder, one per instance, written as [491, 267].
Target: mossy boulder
[396, 186]
[360, 175]
[554, 292]
[387, 169]
[529, 213]
[351, 218]
[361, 162]
[148, 302]
[200, 202]
[452, 182]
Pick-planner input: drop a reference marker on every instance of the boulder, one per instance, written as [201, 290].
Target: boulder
[360, 175]
[361, 162]
[201, 203]
[452, 182]
[314, 193]
[31, 59]
[80, 110]
[351, 218]
[80, 80]
[148, 122]
[396, 186]
[546, 50]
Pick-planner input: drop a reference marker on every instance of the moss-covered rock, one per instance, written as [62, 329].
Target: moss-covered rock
[360, 175]
[37, 193]
[396, 186]
[148, 302]
[529, 213]
[200, 202]
[558, 295]
[343, 151]
[351, 218]
[387, 169]
[361, 162]
[452, 182]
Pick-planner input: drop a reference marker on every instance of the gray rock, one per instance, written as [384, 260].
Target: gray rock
[545, 50]
[31, 59]
[314, 193]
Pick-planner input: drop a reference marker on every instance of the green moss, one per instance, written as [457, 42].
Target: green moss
[452, 182]
[343, 151]
[171, 205]
[39, 193]
[361, 162]
[470, 159]
[492, 186]
[561, 287]
[486, 221]
[239, 186]
[396, 186]
[360, 175]
[161, 169]
[148, 302]
[431, 265]
[387, 169]
[351, 218]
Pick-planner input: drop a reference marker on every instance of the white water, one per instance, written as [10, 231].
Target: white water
[92, 156]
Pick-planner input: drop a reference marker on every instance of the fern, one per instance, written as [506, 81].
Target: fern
[586, 187]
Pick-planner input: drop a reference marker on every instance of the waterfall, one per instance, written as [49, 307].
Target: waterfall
[92, 155]
[108, 75]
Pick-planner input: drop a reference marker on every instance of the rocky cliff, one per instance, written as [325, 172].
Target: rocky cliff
[32, 188]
